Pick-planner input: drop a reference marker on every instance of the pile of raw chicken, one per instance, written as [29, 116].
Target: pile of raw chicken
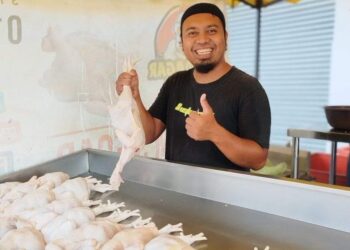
[54, 212]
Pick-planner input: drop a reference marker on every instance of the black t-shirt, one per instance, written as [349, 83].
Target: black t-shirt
[240, 104]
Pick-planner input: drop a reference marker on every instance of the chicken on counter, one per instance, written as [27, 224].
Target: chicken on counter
[174, 242]
[16, 233]
[137, 238]
[53, 212]
[80, 188]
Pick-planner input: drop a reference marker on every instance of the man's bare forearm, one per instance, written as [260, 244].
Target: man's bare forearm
[244, 152]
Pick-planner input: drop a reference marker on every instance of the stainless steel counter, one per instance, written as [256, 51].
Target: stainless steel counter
[234, 210]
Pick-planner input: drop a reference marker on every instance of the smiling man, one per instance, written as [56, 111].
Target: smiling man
[214, 114]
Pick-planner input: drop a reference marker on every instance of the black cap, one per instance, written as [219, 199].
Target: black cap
[203, 8]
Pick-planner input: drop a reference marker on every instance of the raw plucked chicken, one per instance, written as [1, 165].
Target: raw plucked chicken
[53, 212]
[8, 223]
[23, 238]
[53, 179]
[38, 217]
[57, 197]
[174, 242]
[36, 199]
[126, 121]
[19, 234]
[76, 245]
[7, 187]
[137, 238]
[80, 221]
[100, 231]
[13, 190]
[80, 188]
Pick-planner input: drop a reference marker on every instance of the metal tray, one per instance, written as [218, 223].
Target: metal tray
[234, 210]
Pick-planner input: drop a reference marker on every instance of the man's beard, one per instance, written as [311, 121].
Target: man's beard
[204, 68]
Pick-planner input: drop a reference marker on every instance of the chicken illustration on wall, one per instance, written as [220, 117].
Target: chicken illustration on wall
[82, 70]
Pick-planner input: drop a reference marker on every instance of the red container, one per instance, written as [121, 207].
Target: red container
[320, 163]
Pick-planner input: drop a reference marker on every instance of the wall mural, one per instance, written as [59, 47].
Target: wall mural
[59, 62]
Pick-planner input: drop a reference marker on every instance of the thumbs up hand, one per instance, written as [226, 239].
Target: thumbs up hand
[200, 125]
[205, 105]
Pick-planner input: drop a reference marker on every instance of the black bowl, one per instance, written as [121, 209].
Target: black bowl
[338, 116]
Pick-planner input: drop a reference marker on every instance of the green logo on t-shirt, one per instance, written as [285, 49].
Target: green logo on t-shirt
[181, 109]
[185, 111]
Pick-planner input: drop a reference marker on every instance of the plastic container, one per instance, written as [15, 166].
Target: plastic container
[320, 163]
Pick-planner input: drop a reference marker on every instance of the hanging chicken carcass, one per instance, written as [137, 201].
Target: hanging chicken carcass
[125, 118]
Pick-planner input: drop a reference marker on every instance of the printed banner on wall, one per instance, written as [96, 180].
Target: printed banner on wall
[59, 63]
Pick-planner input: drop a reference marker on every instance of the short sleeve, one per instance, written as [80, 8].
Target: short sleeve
[160, 105]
